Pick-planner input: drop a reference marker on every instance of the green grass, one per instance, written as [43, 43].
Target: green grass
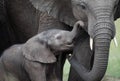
[66, 70]
[114, 58]
[113, 69]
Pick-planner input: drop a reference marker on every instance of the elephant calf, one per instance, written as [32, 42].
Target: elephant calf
[35, 60]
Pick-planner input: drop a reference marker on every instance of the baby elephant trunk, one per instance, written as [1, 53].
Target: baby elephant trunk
[75, 28]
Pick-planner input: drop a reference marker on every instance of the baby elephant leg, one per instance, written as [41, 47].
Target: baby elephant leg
[4, 76]
[35, 70]
[2, 72]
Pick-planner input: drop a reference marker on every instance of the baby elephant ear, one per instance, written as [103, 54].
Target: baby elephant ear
[35, 51]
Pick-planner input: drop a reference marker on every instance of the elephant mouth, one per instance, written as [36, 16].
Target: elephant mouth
[69, 45]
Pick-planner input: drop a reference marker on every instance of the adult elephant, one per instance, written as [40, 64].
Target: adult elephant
[29, 17]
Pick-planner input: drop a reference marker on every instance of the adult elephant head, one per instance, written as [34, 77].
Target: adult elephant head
[98, 18]
[101, 28]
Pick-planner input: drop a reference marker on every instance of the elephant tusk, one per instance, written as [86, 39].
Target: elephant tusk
[91, 43]
[115, 42]
[69, 56]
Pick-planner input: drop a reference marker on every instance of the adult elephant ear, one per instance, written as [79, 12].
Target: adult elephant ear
[60, 9]
[38, 52]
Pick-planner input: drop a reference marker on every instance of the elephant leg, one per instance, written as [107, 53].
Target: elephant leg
[35, 70]
[2, 72]
[59, 65]
[7, 37]
[55, 70]
[83, 54]
[73, 76]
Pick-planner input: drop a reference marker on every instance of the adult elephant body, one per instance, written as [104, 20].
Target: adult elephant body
[29, 17]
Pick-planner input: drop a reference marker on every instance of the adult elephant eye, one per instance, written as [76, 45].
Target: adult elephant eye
[83, 6]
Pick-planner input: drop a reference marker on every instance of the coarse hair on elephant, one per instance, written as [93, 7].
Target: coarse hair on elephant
[29, 17]
[36, 59]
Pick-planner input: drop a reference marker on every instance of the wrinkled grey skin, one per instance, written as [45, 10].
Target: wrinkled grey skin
[29, 17]
[100, 19]
[36, 59]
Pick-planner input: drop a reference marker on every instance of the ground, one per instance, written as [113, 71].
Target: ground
[106, 78]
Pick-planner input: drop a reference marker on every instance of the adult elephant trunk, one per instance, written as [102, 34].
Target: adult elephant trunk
[103, 33]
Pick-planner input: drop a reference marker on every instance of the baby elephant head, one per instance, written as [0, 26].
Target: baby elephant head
[64, 40]
[38, 48]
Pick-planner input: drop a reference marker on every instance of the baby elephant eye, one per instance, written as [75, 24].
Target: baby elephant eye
[59, 37]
